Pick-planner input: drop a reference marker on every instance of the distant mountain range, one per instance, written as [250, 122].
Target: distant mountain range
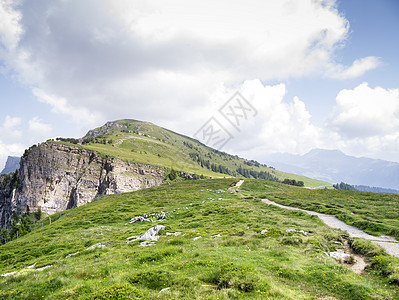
[335, 166]
[12, 164]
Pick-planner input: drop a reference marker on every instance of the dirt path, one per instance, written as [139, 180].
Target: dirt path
[390, 245]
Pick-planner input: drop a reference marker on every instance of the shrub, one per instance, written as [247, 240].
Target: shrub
[118, 291]
[230, 275]
[152, 279]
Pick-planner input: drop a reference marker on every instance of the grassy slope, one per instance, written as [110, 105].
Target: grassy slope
[147, 143]
[242, 263]
[374, 213]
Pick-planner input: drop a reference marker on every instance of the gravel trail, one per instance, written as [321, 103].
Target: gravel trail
[390, 245]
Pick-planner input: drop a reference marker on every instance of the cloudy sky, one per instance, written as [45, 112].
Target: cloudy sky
[318, 74]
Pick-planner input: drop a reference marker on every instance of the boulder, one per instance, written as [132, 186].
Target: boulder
[150, 235]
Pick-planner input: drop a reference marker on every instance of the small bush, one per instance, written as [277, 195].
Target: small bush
[118, 291]
[290, 240]
[230, 275]
[153, 279]
[365, 247]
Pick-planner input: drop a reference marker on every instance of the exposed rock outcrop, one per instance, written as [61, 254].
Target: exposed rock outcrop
[55, 177]
[12, 164]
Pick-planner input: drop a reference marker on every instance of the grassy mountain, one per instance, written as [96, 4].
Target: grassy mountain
[147, 143]
[241, 263]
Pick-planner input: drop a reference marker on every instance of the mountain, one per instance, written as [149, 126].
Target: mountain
[120, 156]
[12, 164]
[335, 166]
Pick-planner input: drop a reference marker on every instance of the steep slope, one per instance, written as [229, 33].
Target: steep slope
[220, 252]
[54, 177]
[335, 166]
[12, 164]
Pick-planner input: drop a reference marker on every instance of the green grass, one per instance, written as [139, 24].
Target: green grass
[240, 264]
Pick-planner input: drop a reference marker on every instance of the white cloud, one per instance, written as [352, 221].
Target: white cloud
[97, 63]
[174, 63]
[357, 69]
[366, 112]
[10, 29]
[38, 130]
[61, 106]
[277, 127]
[9, 128]
[9, 150]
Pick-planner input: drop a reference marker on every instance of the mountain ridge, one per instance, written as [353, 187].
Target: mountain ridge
[336, 166]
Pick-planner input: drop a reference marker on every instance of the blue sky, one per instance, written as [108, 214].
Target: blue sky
[321, 74]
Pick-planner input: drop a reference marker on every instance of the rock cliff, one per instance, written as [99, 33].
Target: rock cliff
[55, 177]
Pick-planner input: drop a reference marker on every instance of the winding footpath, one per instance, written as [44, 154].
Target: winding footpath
[390, 245]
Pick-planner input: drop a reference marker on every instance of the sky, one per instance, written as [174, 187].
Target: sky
[309, 73]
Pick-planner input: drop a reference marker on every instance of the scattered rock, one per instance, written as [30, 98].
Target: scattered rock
[303, 232]
[174, 234]
[72, 254]
[146, 244]
[161, 216]
[100, 245]
[196, 238]
[150, 235]
[264, 231]
[290, 230]
[9, 274]
[340, 256]
[42, 268]
[164, 290]
[32, 266]
[139, 218]
[215, 236]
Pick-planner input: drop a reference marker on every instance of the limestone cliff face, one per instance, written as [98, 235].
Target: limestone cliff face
[56, 177]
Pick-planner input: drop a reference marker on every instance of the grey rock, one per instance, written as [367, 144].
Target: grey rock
[72, 254]
[150, 235]
[9, 274]
[161, 215]
[290, 230]
[139, 218]
[146, 244]
[340, 256]
[174, 234]
[43, 268]
[55, 177]
[197, 238]
[215, 236]
[264, 231]
[100, 245]
[164, 290]
[12, 164]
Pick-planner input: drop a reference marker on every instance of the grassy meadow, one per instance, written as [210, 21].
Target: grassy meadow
[241, 263]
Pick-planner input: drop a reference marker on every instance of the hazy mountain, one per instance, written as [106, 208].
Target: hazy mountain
[335, 166]
[12, 164]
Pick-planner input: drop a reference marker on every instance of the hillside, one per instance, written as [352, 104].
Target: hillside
[121, 156]
[144, 142]
[220, 252]
[335, 166]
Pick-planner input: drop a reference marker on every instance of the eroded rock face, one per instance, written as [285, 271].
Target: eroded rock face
[56, 177]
